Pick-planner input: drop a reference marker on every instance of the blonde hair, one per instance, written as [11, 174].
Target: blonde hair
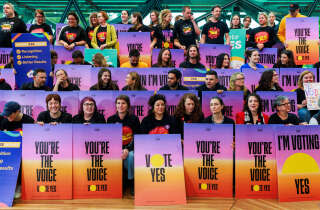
[92, 15]
[265, 15]
[300, 80]
[163, 14]
[100, 59]
[233, 79]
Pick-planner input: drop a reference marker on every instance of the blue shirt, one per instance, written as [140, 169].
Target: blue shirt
[246, 66]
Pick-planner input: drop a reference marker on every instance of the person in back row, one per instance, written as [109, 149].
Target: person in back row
[40, 26]
[192, 58]
[134, 60]
[174, 81]
[164, 59]
[39, 81]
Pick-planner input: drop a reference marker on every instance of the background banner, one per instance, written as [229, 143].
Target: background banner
[109, 54]
[252, 77]
[8, 75]
[64, 55]
[224, 76]
[193, 78]
[238, 47]
[268, 57]
[288, 77]
[4, 56]
[210, 53]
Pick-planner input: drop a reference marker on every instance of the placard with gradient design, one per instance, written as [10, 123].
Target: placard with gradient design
[298, 163]
[122, 27]
[59, 27]
[135, 40]
[97, 163]
[47, 162]
[252, 77]
[268, 57]
[224, 76]
[233, 102]
[256, 173]
[64, 55]
[312, 95]
[269, 97]
[193, 78]
[302, 37]
[238, 47]
[109, 54]
[159, 176]
[208, 160]
[177, 56]
[288, 78]
[209, 53]
[9, 77]
[10, 159]
[4, 56]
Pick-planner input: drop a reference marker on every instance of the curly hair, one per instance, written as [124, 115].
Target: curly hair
[181, 109]
[153, 99]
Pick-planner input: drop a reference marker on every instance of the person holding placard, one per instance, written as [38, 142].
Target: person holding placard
[237, 84]
[269, 81]
[158, 121]
[253, 59]
[134, 60]
[105, 81]
[40, 26]
[286, 60]
[282, 116]
[252, 111]
[235, 22]
[124, 17]
[88, 113]
[63, 83]
[104, 36]
[192, 58]
[130, 127]
[72, 35]
[78, 58]
[53, 115]
[223, 61]
[264, 35]
[214, 31]
[315, 119]
[166, 29]
[217, 109]
[164, 59]
[174, 81]
[39, 81]
[93, 22]
[133, 82]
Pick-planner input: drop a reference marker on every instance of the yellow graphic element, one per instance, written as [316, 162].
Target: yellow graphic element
[299, 57]
[19, 62]
[9, 144]
[166, 45]
[93, 187]
[42, 188]
[300, 163]
[18, 51]
[204, 186]
[157, 160]
[30, 44]
[256, 188]
[194, 79]
[19, 56]
[21, 133]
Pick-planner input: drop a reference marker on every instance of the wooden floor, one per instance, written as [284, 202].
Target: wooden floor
[196, 203]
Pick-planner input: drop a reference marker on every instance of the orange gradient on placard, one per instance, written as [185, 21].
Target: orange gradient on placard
[224, 176]
[243, 180]
[170, 192]
[63, 181]
[313, 52]
[143, 58]
[114, 180]
[288, 189]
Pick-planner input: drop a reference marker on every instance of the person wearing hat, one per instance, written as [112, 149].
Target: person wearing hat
[13, 118]
[39, 81]
[294, 11]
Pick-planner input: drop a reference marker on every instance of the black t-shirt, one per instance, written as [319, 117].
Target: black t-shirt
[292, 119]
[46, 118]
[8, 26]
[262, 35]
[101, 35]
[185, 119]
[215, 32]
[167, 125]
[248, 35]
[184, 31]
[166, 37]
[130, 127]
[70, 87]
[89, 35]
[4, 85]
[35, 28]
[187, 64]
[30, 86]
[301, 96]
[180, 87]
[96, 118]
[108, 87]
[72, 34]
[226, 120]
[16, 125]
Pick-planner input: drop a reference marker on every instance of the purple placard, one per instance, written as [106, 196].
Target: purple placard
[233, 101]
[122, 27]
[4, 56]
[193, 78]
[59, 26]
[9, 77]
[77, 74]
[252, 77]
[173, 97]
[176, 54]
[224, 76]
[210, 53]
[268, 57]
[64, 55]
[288, 77]
[268, 98]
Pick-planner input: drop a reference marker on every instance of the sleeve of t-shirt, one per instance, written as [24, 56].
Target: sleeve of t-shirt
[205, 30]
[68, 118]
[62, 36]
[176, 30]
[48, 30]
[82, 36]
[41, 117]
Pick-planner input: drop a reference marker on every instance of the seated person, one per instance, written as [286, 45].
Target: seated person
[164, 59]
[134, 60]
[88, 112]
[236, 83]
[133, 82]
[39, 81]
[78, 58]
[211, 83]
[192, 59]
[269, 81]
[223, 61]
[253, 59]
[174, 81]
[217, 109]
[63, 83]
[105, 81]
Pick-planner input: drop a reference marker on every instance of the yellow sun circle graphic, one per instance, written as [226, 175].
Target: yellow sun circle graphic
[42, 188]
[93, 187]
[256, 188]
[204, 186]
[157, 160]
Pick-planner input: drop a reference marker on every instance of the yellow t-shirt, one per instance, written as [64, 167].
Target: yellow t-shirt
[282, 27]
[128, 65]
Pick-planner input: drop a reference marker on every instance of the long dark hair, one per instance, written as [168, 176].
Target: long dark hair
[198, 56]
[291, 63]
[266, 79]
[220, 59]
[139, 19]
[111, 85]
[181, 109]
[137, 81]
[223, 111]
[246, 107]
[152, 100]
[169, 63]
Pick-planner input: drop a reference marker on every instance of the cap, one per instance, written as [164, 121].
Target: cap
[9, 108]
[293, 7]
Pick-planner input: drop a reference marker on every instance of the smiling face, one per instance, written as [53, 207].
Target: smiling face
[133, 19]
[216, 13]
[262, 20]
[106, 77]
[166, 56]
[129, 80]
[308, 78]
[226, 62]
[72, 21]
[124, 16]
[153, 17]
[239, 82]
[253, 104]
[215, 106]
[53, 106]
[284, 107]
[255, 57]
[275, 78]
[159, 107]
[121, 106]
[39, 18]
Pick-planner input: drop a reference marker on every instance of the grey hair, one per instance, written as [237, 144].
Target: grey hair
[279, 99]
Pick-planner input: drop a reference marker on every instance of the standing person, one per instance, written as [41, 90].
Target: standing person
[39, 81]
[237, 84]
[294, 11]
[133, 82]
[72, 35]
[223, 61]
[124, 17]
[214, 31]
[154, 17]
[217, 109]
[272, 24]
[186, 31]
[53, 115]
[174, 81]
[134, 60]
[192, 58]
[166, 28]
[164, 59]
[158, 121]
[63, 83]
[235, 22]
[104, 36]
[252, 112]
[88, 112]
[253, 59]
[10, 23]
[262, 36]
[269, 81]
[40, 26]
[286, 60]
[105, 81]
[246, 25]
[130, 127]
[93, 22]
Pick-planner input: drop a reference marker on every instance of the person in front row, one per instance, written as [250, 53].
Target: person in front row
[282, 116]
[63, 83]
[39, 81]
[105, 81]
[88, 113]
[217, 109]
[174, 80]
[133, 82]
[158, 121]
[253, 59]
[134, 60]
[237, 84]
[211, 83]
[130, 127]
[192, 59]
[269, 81]
[252, 112]
[53, 115]
[164, 59]
[13, 117]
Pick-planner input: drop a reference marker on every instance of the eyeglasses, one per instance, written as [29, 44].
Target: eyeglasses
[285, 104]
[88, 104]
[240, 78]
